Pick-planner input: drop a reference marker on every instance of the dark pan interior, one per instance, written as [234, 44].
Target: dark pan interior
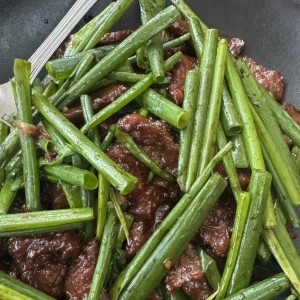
[271, 29]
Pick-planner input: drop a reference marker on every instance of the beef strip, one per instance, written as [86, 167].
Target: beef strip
[236, 46]
[176, 88]
[115, 37]
[81, 272]
[292, 111]
[187, 275]
[150, 201]
[217, 227]
[179, 28]
[270, 80]
[101, 98]
[42, 261]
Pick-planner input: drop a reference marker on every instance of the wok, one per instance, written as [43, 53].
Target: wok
[271, 29]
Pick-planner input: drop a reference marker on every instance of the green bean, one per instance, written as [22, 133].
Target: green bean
[107, 141]
[197, 36]
[115, 175]
[167, 223]
[164, 108]
[281, 192]
[280, 168]
[128, 96]
[206, 74]
[240, 101]
[105, 254]
[289, 249]
[209, 268]
[72, 175]
[277, 251]
[83, 36]
[264, 111]
[126, 140]
[84, 65]
[121, 234]
[122, 51]
[119, 212]
[263, 290]
[72, 194]
[103, 196]
[22, 288]
[295, 153]
[4, 129]
[168, 45]
[259, 189]
[7, 195]
[189, 103]
[239, 153]
[263, 252]
[62, 68]
[229, 116]
[21, 89]
[213, 111]
[154, 50]
[229, 164]
[285, 121]
[9, 147]
[40, 219]
[241, 215]
[50, 89]
[175, 241]
[9, 293]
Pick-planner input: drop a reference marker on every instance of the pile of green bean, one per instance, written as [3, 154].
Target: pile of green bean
[226, 116]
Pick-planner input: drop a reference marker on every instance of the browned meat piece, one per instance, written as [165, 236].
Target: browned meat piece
[236, 46]
[115, 37]
[101, 98]
[59, 200]
[244, 176]
[244, 179]
[60, 51]
[176, 88]
[292, 111]
[81, 272]
[155, 296]
[187, 275]
[154, 137]
[42, 261]
[186, 48]
[179, 28]
[149, 202]
[270, 80]
[216, 229]
[139, 233]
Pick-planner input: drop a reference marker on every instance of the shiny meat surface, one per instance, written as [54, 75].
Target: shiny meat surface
[115, 37]
[236, 46]
[187, 275]
[179, 28]
[154, 137]
[176, 88]
[292, 111]
[150, 201]
[101, 98]
[216, 229]
[43, 261]
[270, 80]
[81, 272]
[60, 51]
